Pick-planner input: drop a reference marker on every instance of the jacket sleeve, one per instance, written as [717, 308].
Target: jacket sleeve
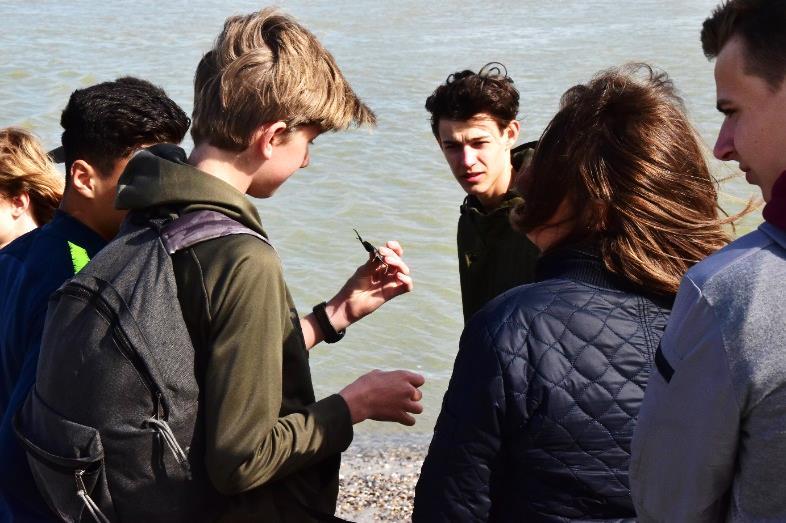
[248, 442]
[455, 478]
[685, 445]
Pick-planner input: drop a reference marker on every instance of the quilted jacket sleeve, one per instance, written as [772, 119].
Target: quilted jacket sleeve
[455, 479]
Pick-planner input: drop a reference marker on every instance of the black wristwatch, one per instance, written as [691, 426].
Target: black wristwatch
[328, 331]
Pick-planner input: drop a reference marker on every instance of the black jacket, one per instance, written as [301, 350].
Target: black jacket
[538, 418]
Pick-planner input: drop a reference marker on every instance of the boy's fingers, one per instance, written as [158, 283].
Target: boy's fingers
[417, 394]
[406, 419]
[395, 247]
[406, 280]
[414, 407]
[413, 377]
[397, 263]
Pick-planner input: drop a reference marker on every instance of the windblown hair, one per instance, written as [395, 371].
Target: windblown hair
[106, 122]
[26, 168]
[623, 153]
[266, 67]
[466, 94]
[760, 24]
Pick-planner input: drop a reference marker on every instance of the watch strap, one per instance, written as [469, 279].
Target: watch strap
[329, 332]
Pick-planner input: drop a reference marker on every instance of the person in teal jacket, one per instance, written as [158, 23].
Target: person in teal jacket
[102, 126]
[473, 117]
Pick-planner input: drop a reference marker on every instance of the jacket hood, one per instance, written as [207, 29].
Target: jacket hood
[160, 176]
[521, 156]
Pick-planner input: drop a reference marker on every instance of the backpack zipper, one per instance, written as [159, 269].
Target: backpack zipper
[158, 421]
[81, 492]
[123, 344]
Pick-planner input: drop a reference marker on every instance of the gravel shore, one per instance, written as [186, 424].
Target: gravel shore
[377, 480]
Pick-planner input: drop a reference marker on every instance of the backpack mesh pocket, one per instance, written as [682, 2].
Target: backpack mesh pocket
[67, 462]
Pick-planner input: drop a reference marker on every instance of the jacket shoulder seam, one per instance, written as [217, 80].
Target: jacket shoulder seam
[716, 325]
[205, 294]
[701, 277]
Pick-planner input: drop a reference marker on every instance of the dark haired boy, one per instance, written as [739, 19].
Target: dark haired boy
[710, 443]
[102, 126]
[473, 117]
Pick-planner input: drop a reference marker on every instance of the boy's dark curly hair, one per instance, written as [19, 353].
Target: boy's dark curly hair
[466, 93]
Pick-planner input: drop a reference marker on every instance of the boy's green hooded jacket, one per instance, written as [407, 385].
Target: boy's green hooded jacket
[271, 451]
[492, 256]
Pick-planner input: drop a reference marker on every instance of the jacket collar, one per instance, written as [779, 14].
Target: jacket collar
[473, 206]
[775, 233]
[69, 229]
[583, 263]
[775, 210]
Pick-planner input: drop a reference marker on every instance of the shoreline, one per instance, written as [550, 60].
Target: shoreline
[378, 476]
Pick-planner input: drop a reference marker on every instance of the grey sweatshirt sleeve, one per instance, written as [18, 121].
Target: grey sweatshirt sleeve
[685, 445]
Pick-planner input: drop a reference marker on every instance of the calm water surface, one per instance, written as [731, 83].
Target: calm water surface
[391, 182]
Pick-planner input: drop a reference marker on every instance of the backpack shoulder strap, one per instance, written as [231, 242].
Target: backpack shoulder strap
[200, 226]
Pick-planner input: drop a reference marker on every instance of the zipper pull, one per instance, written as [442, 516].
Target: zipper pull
[80, 483]
[159, 405]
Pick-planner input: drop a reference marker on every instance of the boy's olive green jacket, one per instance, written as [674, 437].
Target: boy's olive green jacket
[271, 452]
[492, 256]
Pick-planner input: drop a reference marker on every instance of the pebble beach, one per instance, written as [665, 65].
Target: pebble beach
[377, 481]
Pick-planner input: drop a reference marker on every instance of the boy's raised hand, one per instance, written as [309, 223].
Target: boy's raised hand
[383, 277]
[372, 284]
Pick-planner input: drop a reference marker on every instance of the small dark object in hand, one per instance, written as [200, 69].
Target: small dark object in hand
[371, 249]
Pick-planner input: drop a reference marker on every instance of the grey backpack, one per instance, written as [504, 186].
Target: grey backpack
[110, 424]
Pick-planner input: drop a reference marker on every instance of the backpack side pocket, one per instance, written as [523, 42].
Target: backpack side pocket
[67, 462]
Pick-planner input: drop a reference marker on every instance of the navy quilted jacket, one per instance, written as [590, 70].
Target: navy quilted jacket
[538, 418]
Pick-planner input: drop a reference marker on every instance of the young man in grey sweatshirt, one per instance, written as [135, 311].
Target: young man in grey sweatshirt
[710, 444]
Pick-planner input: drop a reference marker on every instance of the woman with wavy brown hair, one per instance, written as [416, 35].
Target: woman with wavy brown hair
[537, 422]
[30, 187]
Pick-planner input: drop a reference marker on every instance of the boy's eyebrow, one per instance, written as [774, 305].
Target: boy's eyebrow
[481, 135]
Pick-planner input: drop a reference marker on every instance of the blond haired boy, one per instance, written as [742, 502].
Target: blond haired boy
[271, 452]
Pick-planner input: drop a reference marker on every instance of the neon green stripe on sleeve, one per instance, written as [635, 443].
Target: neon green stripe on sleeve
[79, 257]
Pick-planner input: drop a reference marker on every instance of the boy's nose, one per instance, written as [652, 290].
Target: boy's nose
[724, 145]
[469, 157]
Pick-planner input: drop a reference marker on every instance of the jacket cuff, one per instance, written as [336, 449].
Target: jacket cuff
[332, 413]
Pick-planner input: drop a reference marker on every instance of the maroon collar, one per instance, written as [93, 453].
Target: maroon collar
[775, 210]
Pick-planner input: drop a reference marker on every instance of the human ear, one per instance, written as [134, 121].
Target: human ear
[267, 136]
[512, 132]
[83, 178]
[19, 204]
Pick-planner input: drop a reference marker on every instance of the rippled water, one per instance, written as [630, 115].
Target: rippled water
[391, 182]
